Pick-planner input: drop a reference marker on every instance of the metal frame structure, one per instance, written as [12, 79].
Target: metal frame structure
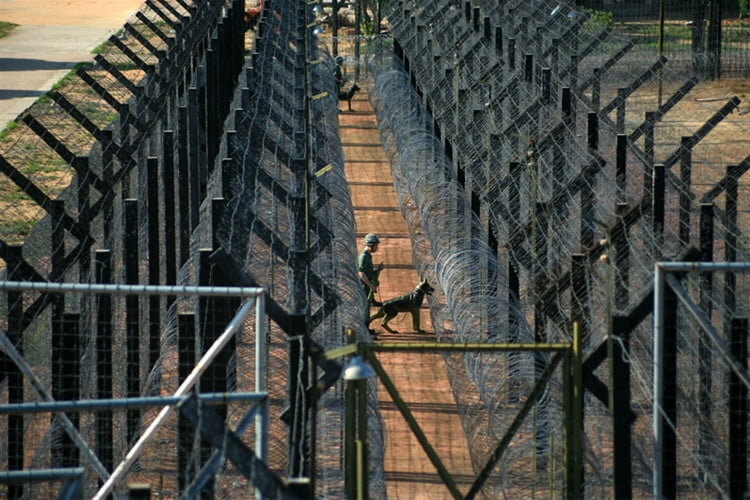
[355, 439]
[664, 280]
[255, 300]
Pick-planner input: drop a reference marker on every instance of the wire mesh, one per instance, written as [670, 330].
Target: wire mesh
[91, 347]
[178, 189]
[518, 136]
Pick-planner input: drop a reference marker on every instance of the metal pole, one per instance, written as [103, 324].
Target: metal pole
[184, 388]
[261, 419]
[661, 45]
[658, 378]
[357, 33]
[213, 291]
[577, 412]
[40, 475]
[111, 403]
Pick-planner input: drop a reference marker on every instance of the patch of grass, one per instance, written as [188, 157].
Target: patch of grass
[6, 28]
[71, 74]
[17, 228]
[34, 167]
[13, 196]
[9, 127]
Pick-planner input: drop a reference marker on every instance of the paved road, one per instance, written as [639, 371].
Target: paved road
[43, 48]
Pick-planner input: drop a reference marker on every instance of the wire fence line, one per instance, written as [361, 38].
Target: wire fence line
[710, 37]
[545, 164]
[179, 159]
[568, 163]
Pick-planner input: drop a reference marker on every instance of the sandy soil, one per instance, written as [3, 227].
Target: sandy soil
[106, 13]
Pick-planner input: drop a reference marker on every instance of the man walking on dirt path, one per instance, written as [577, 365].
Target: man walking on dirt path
[369, 274]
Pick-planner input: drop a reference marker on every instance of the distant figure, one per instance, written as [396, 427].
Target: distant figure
[369, 274]
[252, 14]
[338, 73]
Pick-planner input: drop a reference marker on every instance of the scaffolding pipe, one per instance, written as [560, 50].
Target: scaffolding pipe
[261, 418]
[659, 273]
[207, 291]
[40, 475]
[184, 388]
[139, 402]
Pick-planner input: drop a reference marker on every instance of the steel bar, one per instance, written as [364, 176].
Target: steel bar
[114, 403]
[261, 419]
[659, 277]
[704, 266]
[444, 346]
[39, 475]
[208, 291]
[463, 346]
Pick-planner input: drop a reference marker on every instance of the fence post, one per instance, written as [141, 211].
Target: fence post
[170, 211]
[184, 184]
[66, 380]
[217, 211]
[596, 86]
[573, 435]
[580, 315]
[528, 66]
[620, 406]
[621, 166]
[84, 214]
[592, 132]
[738, 410]
[704, 361]
[514, 287]
[132, 312]
[194, 160]
[620, 118]
[154, 260]
[107, 160]
[57, 240]
[104, 367]
[10, 372]
[657, 208]
[730, 240]
[213, 101]
[621, 257]
[186, 359]
[685, 167]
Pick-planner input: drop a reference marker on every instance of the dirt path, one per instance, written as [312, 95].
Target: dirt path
[419, 378]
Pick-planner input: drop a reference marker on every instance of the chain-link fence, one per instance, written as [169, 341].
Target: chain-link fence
[545, 163]
[177, 158]
[711, 36]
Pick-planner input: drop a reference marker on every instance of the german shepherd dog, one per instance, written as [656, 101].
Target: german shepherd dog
[348, 95]
[410, 302]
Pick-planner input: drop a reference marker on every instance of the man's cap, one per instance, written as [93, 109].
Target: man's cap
[372, 239]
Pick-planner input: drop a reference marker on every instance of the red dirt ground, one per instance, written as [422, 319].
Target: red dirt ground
[421, 381]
